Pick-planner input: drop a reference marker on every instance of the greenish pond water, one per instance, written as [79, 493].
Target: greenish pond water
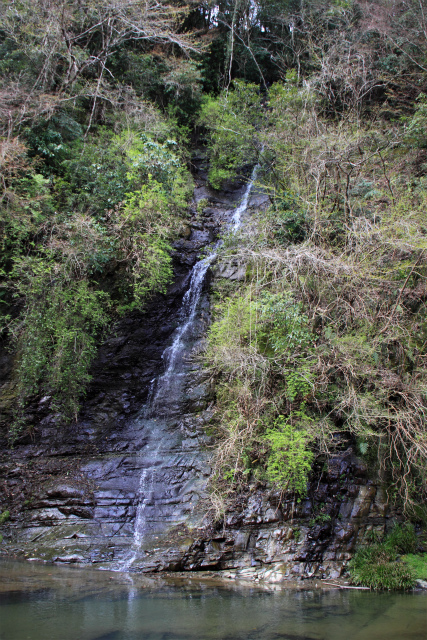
[60, 603]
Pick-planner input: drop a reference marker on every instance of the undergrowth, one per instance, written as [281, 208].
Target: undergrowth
[329, 321]
[380, 565]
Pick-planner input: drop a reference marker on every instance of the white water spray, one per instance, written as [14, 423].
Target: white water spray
[165, 387]
[237, 217]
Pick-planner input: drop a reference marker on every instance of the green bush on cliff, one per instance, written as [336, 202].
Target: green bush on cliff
[324, 329]
[4, 517]
[289, 460]
[260, 344]
[111, 207]
[232, 120]
[56, 335]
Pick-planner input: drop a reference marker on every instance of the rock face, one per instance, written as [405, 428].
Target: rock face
[125, 486]
[267, 538]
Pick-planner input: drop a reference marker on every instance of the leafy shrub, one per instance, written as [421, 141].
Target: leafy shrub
[26, 201]
[287, 221]
[236, 321]
[416, 127]
[94, 177]
[232, 120]
[283, 325]
[291, 226]
[284, 333]
[56, 336]
[289, 460]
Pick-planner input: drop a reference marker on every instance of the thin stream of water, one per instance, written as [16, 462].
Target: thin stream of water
[166, 385]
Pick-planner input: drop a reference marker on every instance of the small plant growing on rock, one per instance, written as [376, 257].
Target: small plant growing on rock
[201, 205]
[4, 516]
[289, 461]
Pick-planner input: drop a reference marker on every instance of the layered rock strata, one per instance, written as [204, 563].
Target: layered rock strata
[125, 488]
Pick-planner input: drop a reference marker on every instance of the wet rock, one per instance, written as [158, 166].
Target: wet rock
[47, 515]
[85, 486]
[363, 502]
[71, 559]
[230, 271]
[64, 490]
[241, 540]
[343, 534]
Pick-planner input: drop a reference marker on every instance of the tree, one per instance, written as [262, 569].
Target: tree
[67, 48]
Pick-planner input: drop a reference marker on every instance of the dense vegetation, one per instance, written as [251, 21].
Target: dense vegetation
[326, 338]
[380, 564]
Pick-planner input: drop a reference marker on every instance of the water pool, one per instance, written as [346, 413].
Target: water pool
[41, 602]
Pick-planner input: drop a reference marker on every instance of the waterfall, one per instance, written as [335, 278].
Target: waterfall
[172, 356]
[165, 390]
[237, 217]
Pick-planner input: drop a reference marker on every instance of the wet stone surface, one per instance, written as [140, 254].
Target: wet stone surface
[124, 487]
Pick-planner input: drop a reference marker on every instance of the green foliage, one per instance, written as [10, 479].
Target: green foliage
[402, 538]
[417, 564]
[235, 324]
[201, 205]
[26, 201]
[289, 460]
[283, 325]
[183, 90]
[118, 201]
[94, 177]
[149, 158]
[260, 342]
[56, 337]
[4, 516]
[144, 228]
[320, 518]
[100, 173]
[49, 139]
[378, 568]
[284, 330]
[232, 120]
[416, 128]
[287, 220]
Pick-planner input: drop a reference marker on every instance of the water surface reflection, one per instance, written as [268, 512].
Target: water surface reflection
[60, 603]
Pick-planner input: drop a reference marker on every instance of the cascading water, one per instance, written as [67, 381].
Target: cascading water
[168, 383]
[237, 217]
[172, 356]
[152, 499]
